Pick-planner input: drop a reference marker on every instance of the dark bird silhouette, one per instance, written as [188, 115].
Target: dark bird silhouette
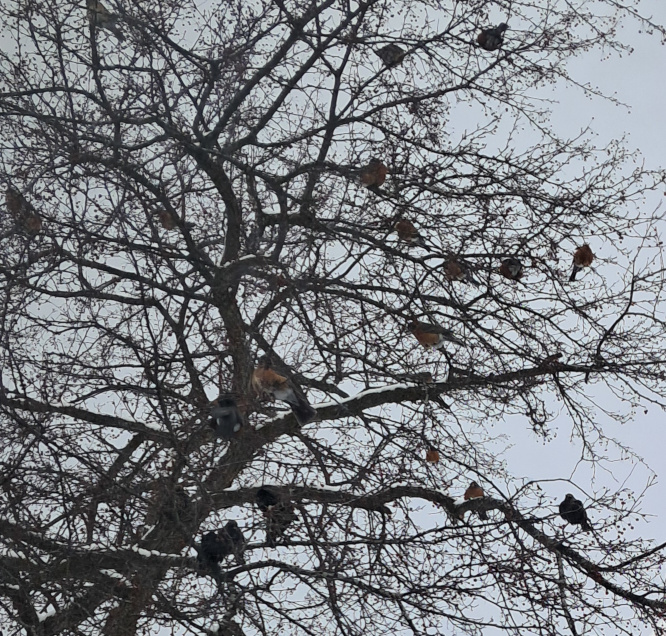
[22, 211]
[474, 491]
[268, 382]
[572, 511]
[583, 257]
[373, 175]
[432, 336]
[279, 514]
[408, 233]
[217, 544]
[100, 16]
[511, 268]
[493, 38]
[391, 55]
[225, 418]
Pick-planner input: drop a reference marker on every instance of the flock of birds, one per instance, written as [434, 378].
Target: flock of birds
[226, 420]
[225, 417]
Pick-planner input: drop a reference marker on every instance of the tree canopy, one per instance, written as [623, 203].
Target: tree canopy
[369, 194]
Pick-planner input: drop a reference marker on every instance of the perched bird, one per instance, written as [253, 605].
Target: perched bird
[266, 499]
[474, 491]
[408, 233]
[266, 381]
[216, 545]
[572, 511]
[432, 454]
[552, 361]
[391, 54]
[100, 16]
[511, 268]
[167, 220]
[170, 222]
[279, 514]
[454, 270]
[493, 38]
[225, 418]
[373, 175]
[22, 211]
[432, 336]
[582, 257]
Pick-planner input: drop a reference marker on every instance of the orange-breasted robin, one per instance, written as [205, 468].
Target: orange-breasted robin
[169, 222]
[215, 545]
[432, 454]
[374, 174]
[408, 233]
[225, 418]
[266, 381]
[391, 54]
[493, 38]
[100, 16]
[511, 268]
[582, 257]
[432, 336]
[474, 491]
[22, 211]
[573, 511]
[279, 514]
[455, 270]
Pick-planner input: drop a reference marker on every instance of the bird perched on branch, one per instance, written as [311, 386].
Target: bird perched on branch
[100, 16]
[511, 268]
[225, 418]
[373, 175]
[391, 55]
[279, 514]
[474, 491]
[572, 511]
[493, 38]
[432, 336]
[408, 233]
[432, 454]
[266, 381]
[22, 211]
[216, 545]
[455, 270]
[582, 257]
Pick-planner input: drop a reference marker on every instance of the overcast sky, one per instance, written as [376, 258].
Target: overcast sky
[636, 80]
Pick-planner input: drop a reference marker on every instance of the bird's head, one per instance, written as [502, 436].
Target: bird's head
[503, 27]
[226, 399]
[264, 362]
[474, 485]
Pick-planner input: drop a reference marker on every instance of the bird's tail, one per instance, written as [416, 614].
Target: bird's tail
[302, 410]
[575, 271]
[585, 526]
[469, 278]
[117, 32]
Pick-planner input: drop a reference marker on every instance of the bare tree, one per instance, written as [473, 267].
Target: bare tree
[191, 186]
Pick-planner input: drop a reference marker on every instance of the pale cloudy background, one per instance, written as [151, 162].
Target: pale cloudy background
[637, 80]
